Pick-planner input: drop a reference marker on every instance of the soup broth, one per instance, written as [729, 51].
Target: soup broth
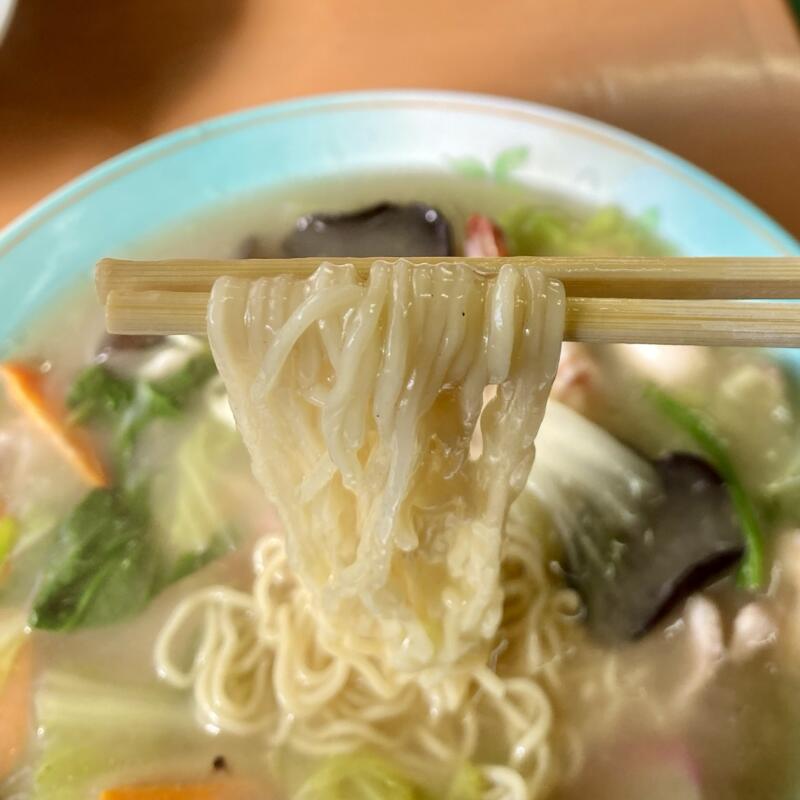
[669, 670]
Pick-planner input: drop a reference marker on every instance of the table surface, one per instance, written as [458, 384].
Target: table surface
[716, 81]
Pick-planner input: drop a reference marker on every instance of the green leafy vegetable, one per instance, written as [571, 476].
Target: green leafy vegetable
[108, 561]
[194, 529]
[179, 387]
[468, 783]
[508, 161]
[358, 777]
[9, 530]
[505, 164]
[162, 399]
[31, 549]
[536, 230]
[470, 167]
[751, 573]
[105, 565]
[98, 393]
[188, 563]
[148, 405]
[111, 555]
[89, 729]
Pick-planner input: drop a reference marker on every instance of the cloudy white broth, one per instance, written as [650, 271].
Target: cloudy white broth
[187, 615]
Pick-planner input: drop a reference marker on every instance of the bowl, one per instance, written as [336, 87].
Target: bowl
[169, 179]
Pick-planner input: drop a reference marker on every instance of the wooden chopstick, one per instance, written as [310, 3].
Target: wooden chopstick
[702, 301]
[649, 277]
[588, 319]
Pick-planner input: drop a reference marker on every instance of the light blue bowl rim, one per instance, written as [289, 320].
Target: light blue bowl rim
[129, 160]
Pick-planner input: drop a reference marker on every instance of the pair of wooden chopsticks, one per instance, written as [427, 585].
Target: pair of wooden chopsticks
[701, 301]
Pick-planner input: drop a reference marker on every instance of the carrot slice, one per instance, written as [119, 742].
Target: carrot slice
[15, 710]
[228, 789]
[24, 386]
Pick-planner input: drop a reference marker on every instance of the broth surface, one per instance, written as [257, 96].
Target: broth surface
[705, 705]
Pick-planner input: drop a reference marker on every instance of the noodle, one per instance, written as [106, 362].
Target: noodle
[391, 527]
[264, 665]
[403, 613]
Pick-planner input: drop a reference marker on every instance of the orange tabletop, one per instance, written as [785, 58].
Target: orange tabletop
[717, 81]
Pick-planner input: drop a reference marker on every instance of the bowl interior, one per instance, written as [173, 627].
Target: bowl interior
[166, 181]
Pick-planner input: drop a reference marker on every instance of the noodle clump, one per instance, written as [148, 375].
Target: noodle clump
[404, 611]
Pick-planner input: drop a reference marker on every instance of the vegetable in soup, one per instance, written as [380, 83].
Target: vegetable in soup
[403, 602]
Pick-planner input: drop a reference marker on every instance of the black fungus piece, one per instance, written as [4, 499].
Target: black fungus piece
[385, 229]
[629, 581]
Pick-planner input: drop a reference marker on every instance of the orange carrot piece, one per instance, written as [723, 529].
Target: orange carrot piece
[25, 388]
[226, 789]
[15, 710]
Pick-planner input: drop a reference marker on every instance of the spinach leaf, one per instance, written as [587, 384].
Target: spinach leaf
[180, 386]
[148, 404]
[190, 562]
[105, 565]
[98, 393]
[161, 399]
